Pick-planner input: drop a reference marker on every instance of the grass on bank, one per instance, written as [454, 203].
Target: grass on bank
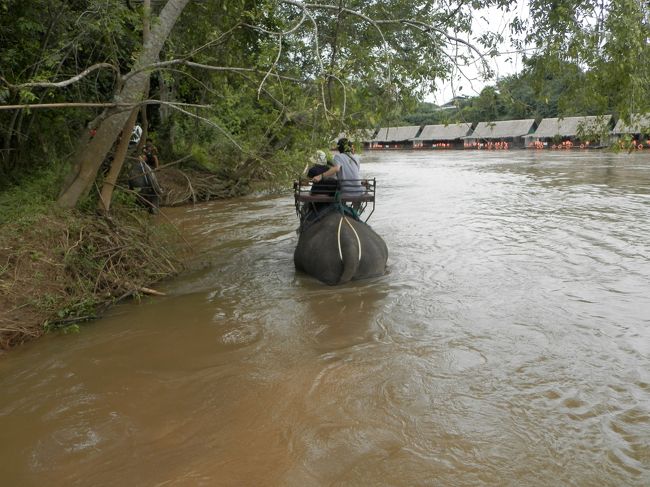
[59, 267]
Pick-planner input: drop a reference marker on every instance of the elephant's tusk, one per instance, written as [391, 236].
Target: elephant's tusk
[338, 239]
[356, 235]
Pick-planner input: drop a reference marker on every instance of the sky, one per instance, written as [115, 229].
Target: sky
[485, 20]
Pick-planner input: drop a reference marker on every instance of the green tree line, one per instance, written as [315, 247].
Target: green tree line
[521, 96]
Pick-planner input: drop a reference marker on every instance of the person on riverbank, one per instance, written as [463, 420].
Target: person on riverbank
[150, 154]
[143, 177]
[346, 166]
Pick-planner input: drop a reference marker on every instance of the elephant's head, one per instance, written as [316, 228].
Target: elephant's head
[338, 248]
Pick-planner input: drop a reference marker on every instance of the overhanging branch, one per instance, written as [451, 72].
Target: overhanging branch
[183, 62]
[126, 106]
[63, 84]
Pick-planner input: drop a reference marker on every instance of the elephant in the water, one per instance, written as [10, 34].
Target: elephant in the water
[143, 179]
[337, 248]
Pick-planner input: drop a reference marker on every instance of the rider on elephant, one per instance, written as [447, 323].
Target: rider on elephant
[325, 186]
[346, 166]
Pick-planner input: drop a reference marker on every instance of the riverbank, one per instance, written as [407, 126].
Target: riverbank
[60, 268]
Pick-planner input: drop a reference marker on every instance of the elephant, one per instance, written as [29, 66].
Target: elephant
[143, 179]
[337, 248]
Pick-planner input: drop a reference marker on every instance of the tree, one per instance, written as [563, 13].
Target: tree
[90, 155]
[43, 42]
[605, 45]
[108, 187]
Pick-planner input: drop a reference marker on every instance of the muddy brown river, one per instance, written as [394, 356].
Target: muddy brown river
[508, 345]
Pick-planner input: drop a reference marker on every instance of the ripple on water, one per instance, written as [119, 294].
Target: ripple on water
[85, 437]
[241, 336]
[463, 359]
[629, 432]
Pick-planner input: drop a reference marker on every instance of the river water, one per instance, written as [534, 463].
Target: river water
[508, 345]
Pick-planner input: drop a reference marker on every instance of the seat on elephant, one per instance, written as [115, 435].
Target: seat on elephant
[313, 197]
[338, 248]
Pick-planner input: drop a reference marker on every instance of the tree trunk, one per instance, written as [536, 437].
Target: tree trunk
[106, 195]
[7, 160]
[165, 95]
[146, 33]
[89, 156]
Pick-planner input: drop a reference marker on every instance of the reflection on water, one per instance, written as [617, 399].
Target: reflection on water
[509, 345]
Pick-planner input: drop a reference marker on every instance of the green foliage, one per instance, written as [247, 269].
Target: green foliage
[34, 196]
[52, 40]
[64, 328]
[124, 199]
[605, 47]
[591, 58]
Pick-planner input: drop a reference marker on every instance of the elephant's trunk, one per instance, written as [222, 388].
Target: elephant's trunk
[349, 249]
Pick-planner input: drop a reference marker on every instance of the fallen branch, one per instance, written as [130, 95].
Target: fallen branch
[182, 159]
[151, 292]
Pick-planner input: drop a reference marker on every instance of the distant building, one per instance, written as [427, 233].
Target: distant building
[505, 134]
[453, 104]
[395, 137]
[442, 136]
[570, 132]
[638, 128]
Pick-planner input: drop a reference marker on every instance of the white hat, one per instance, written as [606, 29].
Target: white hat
[321, 158]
